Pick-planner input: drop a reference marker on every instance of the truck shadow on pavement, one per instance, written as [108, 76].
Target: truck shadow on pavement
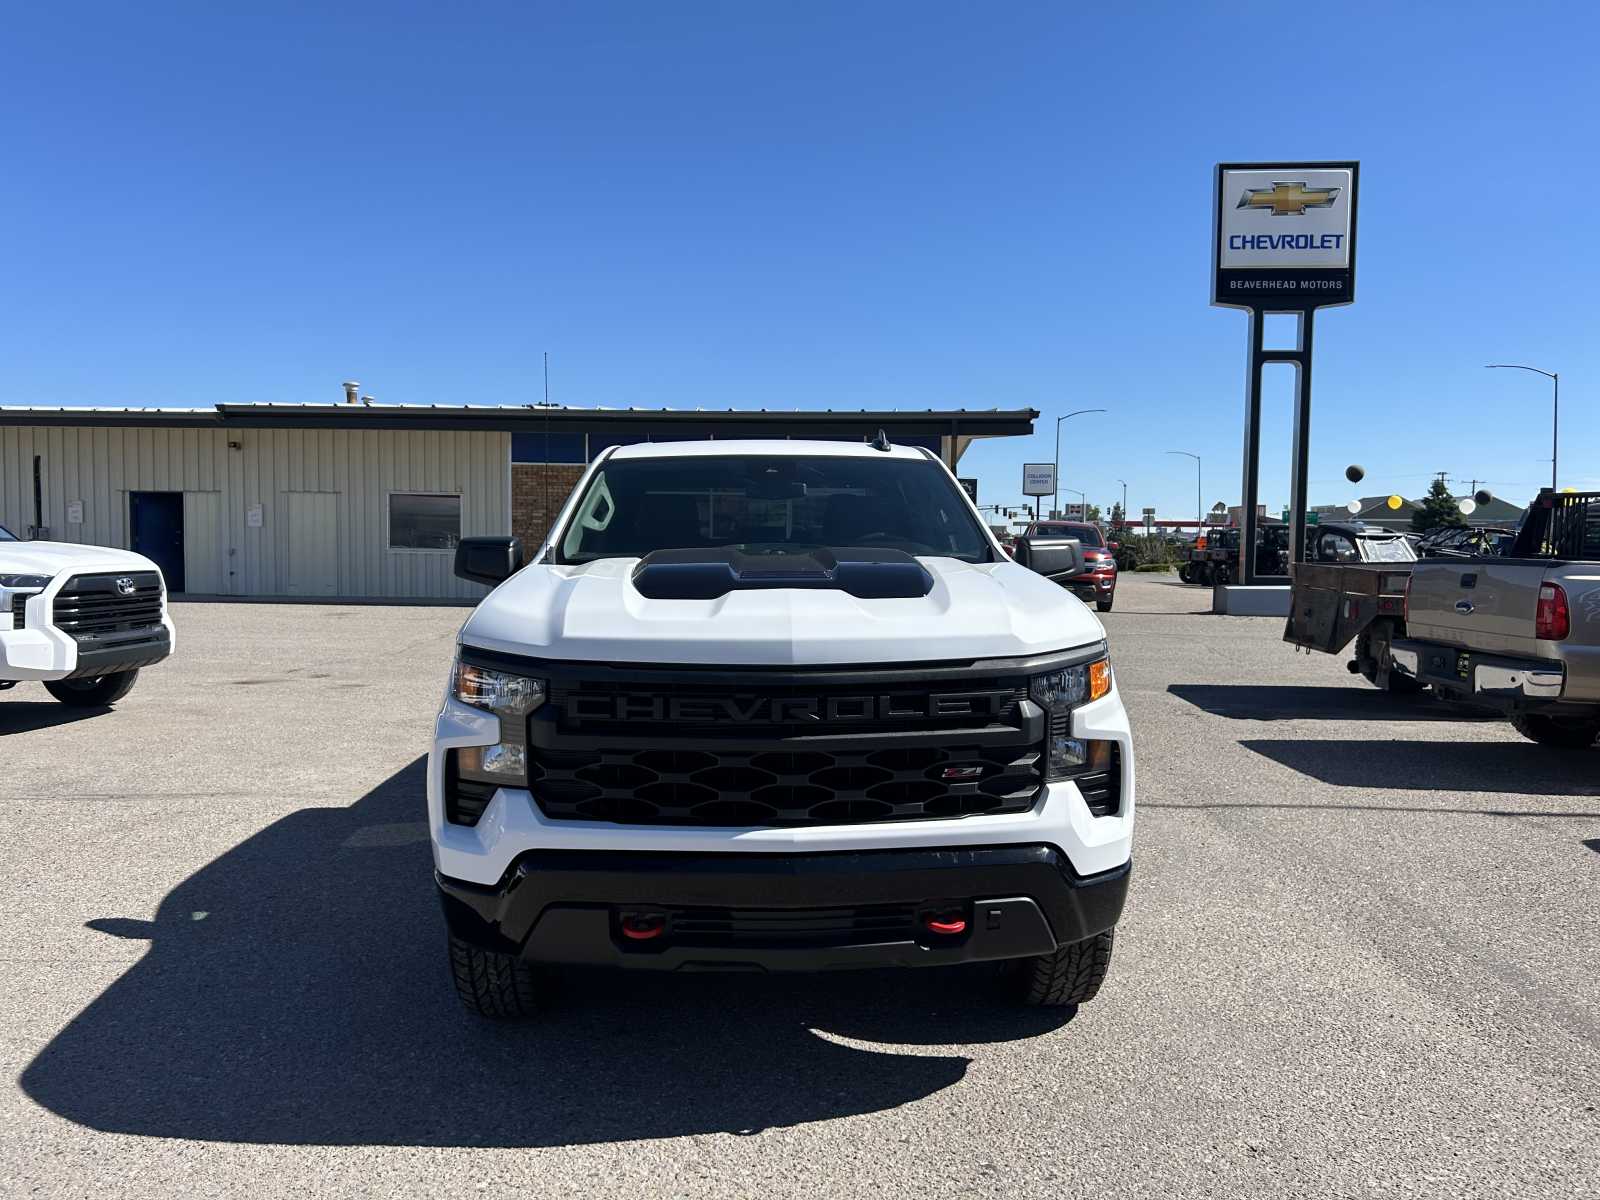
[25, 716]
[295, 991]
[1306, 702]
[1516, 768]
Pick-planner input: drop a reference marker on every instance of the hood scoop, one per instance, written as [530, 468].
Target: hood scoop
[708, 574]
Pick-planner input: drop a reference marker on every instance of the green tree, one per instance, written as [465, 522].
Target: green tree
[1438, 510]
[1118, 517]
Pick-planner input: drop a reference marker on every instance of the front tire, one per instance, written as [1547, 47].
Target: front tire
[1562, 733]
[1186, 573]
[1070, 976]
[490, 984]
[1105, 605]
[92, 691]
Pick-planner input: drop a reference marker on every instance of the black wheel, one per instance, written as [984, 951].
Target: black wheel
[1375, 663]
[1203, 574]
[1186, 573]
[1072, 975]
[1105, 605]
[1222, 575]
[92, 691]
[490, 984]
[1564, 733]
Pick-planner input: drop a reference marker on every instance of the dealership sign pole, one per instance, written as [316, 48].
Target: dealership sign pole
[1284, 242]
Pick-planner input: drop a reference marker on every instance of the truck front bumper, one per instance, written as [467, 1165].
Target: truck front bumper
[803, 912]
[1492, 679]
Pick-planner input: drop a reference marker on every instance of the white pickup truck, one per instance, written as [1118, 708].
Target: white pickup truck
[1519, 632]
[776, 706]
[82, 620]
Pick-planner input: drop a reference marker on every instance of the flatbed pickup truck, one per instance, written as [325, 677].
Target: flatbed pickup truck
[1353, 590]
[1519, 633]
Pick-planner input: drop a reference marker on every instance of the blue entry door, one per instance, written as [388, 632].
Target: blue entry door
[156, 520]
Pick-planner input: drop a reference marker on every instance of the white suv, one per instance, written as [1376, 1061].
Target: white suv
[780, 706]
[82, 620]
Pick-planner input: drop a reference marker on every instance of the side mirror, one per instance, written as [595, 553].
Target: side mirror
[1050, 556]
[490, 560]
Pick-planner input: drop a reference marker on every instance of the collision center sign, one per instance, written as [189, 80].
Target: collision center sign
[1285, 235]
[1038, 479]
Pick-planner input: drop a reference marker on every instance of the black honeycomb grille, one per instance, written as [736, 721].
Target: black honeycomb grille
[683, 786]
[19, 612]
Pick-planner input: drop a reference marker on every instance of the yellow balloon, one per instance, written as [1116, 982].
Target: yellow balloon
[1569, 489]
[1395, 502]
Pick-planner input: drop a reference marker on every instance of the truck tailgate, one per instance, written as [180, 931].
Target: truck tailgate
[1487, 603]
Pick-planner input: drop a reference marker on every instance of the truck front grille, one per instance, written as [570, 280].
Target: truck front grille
[94, 608]
[783, 748]
[780, 787]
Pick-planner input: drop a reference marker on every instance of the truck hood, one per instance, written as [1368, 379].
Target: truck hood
[593, 613]
[53, 558]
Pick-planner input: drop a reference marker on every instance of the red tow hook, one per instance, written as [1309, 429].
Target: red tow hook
[641, 927]
[948, 924]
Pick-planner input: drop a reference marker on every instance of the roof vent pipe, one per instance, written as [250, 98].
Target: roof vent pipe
[351, 393]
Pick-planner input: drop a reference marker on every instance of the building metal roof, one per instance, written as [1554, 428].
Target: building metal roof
[535, 417]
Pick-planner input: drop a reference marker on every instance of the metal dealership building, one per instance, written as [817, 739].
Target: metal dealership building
[358, 500]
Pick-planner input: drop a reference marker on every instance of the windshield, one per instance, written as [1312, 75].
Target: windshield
[1388, 550]
[770, 505]
[1087, 535]
[6, 535]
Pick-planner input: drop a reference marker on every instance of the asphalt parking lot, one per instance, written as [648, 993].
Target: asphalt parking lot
[1361, 957]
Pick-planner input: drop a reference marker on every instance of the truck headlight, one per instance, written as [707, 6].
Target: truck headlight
[24, 581]
[1061, 691]
[498, 691]
[511, 698]
[1058, 693]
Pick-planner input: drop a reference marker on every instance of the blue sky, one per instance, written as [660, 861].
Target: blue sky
[811, 205]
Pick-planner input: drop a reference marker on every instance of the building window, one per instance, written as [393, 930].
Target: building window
[541, 447]
[419, 522]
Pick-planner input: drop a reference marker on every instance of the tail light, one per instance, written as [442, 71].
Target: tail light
[1552, 621]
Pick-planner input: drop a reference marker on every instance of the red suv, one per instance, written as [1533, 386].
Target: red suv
[1098, 582]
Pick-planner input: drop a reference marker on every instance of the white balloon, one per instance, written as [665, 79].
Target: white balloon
[1353, 507]
[1468, 506]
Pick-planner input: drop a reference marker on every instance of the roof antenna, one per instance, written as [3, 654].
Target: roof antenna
[881, 442]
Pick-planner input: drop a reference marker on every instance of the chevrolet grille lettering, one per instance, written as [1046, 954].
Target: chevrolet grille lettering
[784, 710]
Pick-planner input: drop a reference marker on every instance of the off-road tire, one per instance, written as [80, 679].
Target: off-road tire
[1563, 733]
[1186, 573]
[490, 984]
[1367, 662]
[1104, 605]
[1072, 975]
[92, 691]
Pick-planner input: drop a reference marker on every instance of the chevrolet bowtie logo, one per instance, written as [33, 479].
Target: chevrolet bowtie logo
[1288, 199]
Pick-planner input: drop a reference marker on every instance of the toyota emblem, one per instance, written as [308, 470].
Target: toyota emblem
[126, 586]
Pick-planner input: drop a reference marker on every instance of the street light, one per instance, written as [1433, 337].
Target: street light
[1199, 504]
[1555, 409]
[1124, 484]
[1056, 499]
